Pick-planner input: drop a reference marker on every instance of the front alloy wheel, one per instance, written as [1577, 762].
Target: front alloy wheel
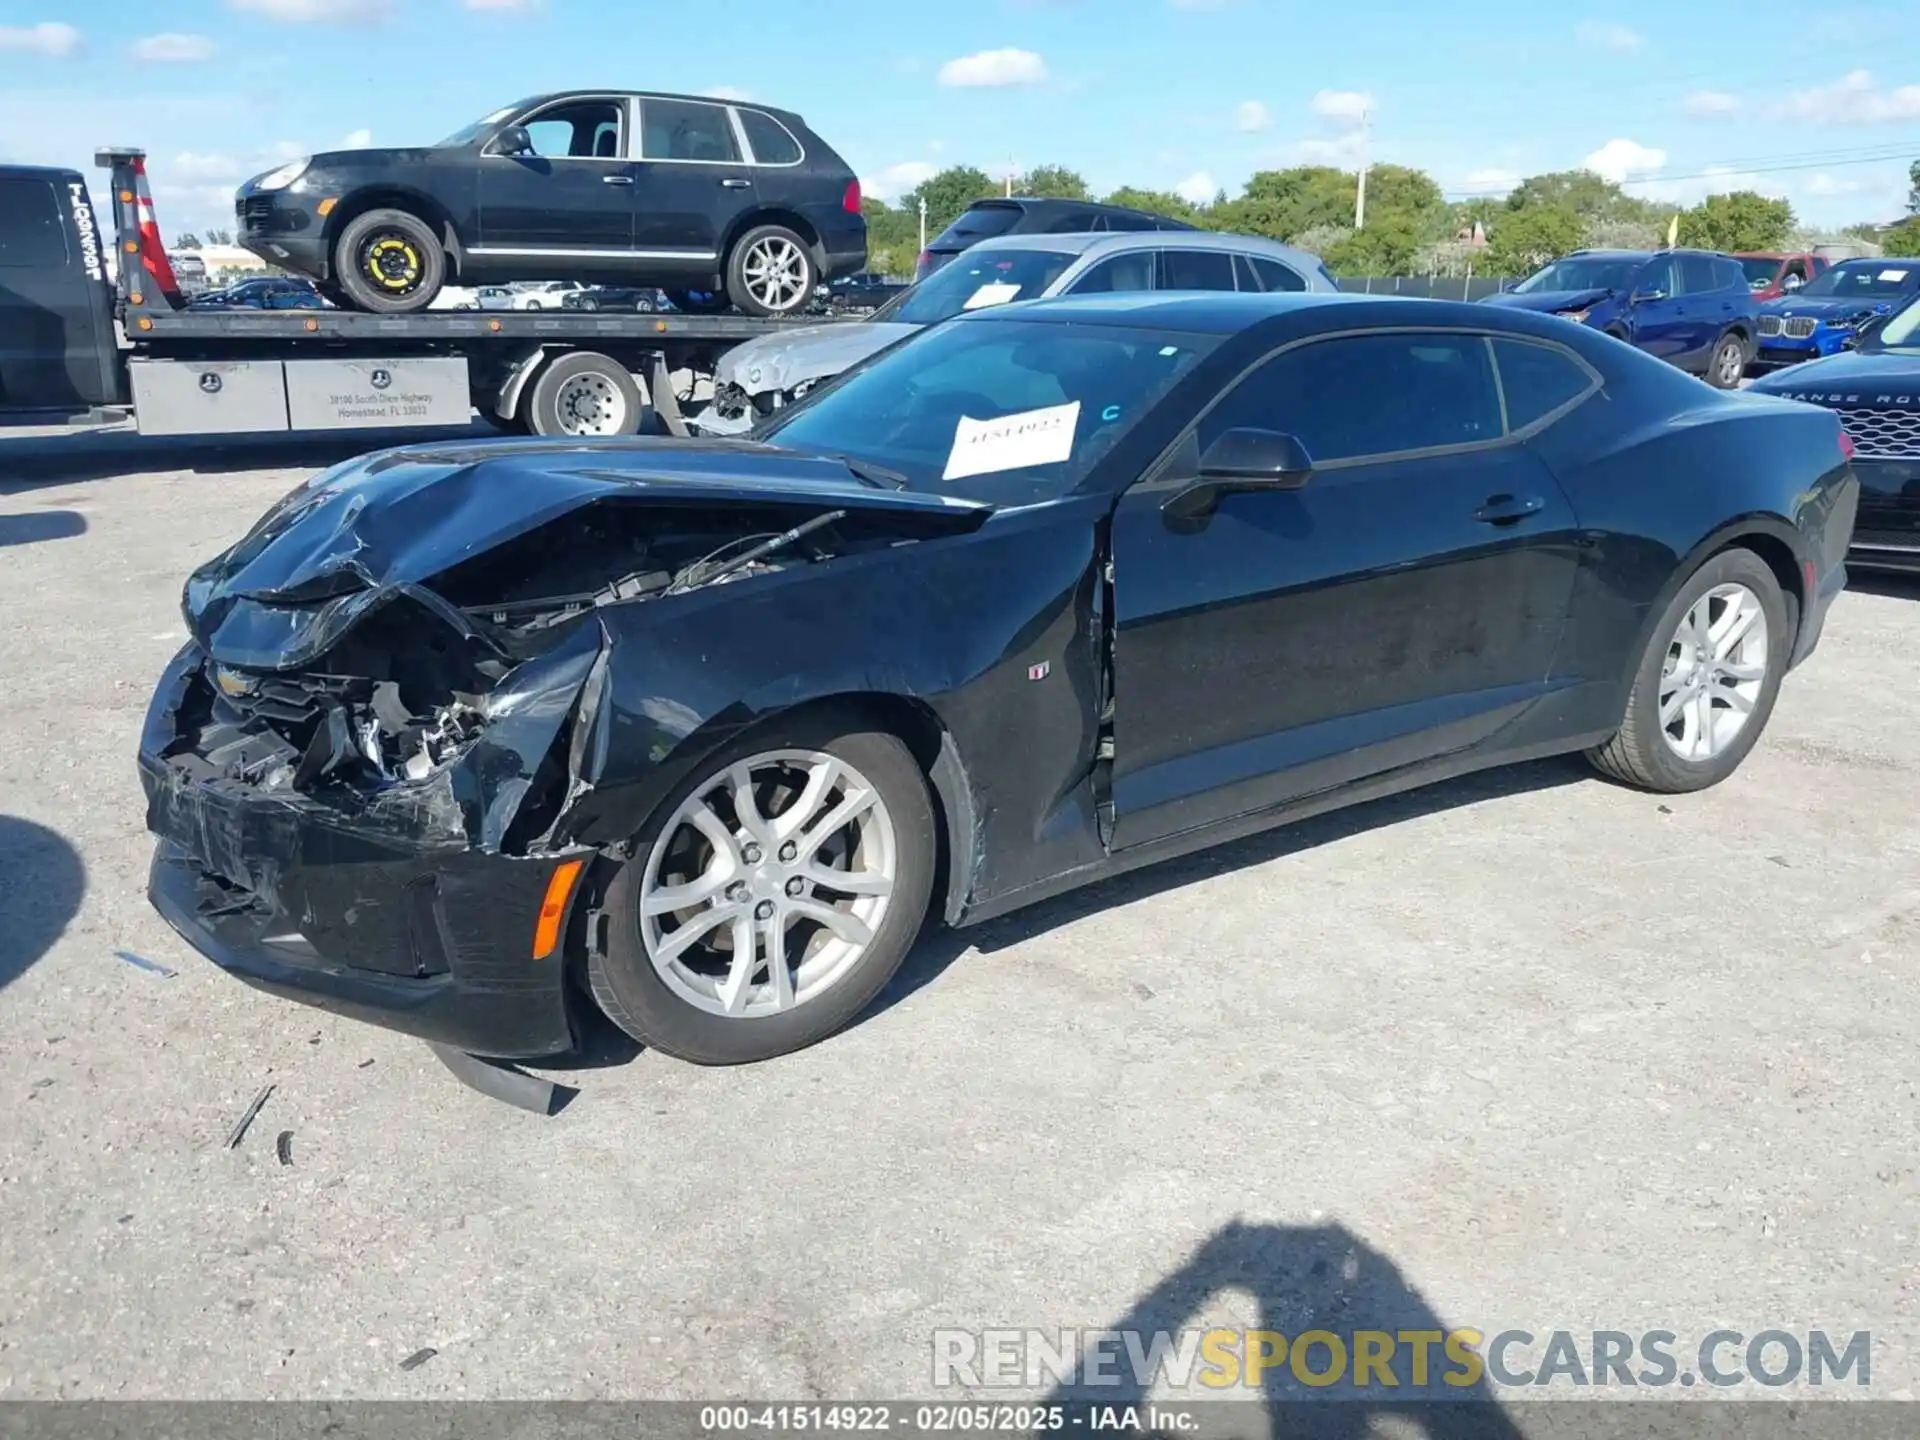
[774, 895]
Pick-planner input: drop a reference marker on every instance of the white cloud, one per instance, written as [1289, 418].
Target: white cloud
[1345, 107]
[896, 180]
[1619, 159]
[1853, 99]
[173, 49]
[357, 140]
[995, 67]
[1605, 35]
[1712, 105]
[1491, 181]
[1198, 188]
[53, 38]
[307, 12]
[727, 92]
[1251, 117]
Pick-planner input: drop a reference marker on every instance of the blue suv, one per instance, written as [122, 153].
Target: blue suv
[1823, 317]
[1692, 308]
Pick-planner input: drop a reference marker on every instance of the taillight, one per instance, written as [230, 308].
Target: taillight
[850, 202]
[921, 264]
[1846, 445]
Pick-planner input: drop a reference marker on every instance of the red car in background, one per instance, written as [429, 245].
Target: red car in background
[1768, 272]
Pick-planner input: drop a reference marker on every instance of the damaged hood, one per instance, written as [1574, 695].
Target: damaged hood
[359, 535]
[780, 362]
[1550, 301]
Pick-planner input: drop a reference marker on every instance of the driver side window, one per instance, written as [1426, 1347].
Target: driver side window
[585, 130]
[1659, 278]
[1374, 395]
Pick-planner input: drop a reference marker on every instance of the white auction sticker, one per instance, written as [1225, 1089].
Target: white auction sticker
[994, 292]
[1893, 276]
[1013, 442]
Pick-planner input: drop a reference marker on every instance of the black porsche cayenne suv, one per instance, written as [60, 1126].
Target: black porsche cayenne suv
[692, 195]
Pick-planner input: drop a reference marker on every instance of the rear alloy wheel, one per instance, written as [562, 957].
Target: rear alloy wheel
[585, 394]
[771, 272]
[772, 898]
[1707, 682]
[389, 262]
[1729, 363]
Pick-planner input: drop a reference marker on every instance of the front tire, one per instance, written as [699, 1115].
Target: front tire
[698, 302]
[1707, 682]
[772, 896]
[389, 262]
[771, 273]
[1728, 363]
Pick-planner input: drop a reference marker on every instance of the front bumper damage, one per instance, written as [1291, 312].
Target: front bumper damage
[413, 906]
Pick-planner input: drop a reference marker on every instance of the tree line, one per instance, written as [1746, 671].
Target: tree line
[1411, 228]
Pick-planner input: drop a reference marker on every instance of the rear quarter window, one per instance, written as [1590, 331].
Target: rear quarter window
[33, 234]
[771, 141]
[1537, 380]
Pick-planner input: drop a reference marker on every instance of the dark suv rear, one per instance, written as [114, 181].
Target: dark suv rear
[1029, 215]
[683, 192]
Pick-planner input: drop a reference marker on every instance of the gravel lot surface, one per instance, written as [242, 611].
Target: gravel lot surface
[1533, 1050]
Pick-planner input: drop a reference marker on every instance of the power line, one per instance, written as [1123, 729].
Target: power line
[1722, 169]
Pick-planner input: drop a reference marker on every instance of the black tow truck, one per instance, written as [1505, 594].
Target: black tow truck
[75, 343]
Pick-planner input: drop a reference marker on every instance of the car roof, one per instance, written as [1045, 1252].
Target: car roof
[1108, 242]
[1212, 312]
[56, 173]
[1644, 254]
[552, 96]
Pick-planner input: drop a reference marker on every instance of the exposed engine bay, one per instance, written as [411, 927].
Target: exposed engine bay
[413, 687]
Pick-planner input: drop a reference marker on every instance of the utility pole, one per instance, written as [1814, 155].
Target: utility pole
[923, 222]
[1360, 193]
[1009, 177]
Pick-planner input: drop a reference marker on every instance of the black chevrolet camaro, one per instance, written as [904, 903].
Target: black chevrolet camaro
[466, 739]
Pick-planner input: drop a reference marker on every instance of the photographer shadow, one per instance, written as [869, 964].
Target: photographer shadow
[1302, 1278]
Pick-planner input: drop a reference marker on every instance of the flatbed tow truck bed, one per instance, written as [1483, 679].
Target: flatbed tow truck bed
[211, 372]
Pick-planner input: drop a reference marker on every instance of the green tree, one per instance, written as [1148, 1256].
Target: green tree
[947, 194]
[1055, 181]
[1284, 203]
[1742, 220]
[1528, 238]
[1587, 195]
[1154, 202]
[1913, 188]
[187, 241]
[1411, 195]
[1902, 239]
[219, 237]
[1321, 240]
[1386, 246]
[893, 237]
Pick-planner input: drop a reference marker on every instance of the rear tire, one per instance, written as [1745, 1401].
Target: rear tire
[770, 272]
[1680, 731]
[389, 262]
[585, 394]
[698, 302]
[1728, 363]
[678, 1004]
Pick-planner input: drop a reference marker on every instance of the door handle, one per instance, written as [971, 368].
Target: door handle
[1508, 509]
[616, 179]
[733, 182]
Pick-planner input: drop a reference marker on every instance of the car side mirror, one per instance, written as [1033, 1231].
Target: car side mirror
[513, 140]
[1647, 297]
[1243, 459]
[1792, 282]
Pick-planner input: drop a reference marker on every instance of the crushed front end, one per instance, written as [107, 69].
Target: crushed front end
[338, 839]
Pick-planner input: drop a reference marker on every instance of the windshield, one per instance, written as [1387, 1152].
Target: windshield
[472, 134]
[1009, 411]
[1579, 273]
[1901, 332]
[975, 281]
[976, 223]
[1759, 270]
[1864, 280]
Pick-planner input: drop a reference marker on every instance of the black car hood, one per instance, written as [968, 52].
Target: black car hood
[1867, 374]
[1550, 301]
[355, 536]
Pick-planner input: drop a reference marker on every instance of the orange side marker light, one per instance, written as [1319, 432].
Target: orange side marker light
[546, 934]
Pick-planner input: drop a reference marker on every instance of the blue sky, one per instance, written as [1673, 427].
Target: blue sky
[1682, 97]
